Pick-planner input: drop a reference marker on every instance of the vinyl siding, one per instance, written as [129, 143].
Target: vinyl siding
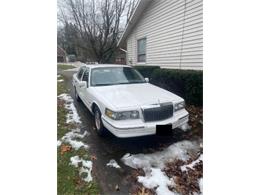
[172, 40]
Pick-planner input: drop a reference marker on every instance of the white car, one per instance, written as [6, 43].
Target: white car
[125, 103]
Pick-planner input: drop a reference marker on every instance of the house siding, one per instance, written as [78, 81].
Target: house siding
[174, 37]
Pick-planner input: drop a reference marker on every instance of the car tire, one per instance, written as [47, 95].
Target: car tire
[101, 130]
[76, 95]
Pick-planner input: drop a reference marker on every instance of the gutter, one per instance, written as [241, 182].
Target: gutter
[141, 5]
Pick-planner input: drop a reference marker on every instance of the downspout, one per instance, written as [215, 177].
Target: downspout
[126, 60]
[123, 50]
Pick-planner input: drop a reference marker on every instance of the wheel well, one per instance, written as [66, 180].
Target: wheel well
[94, 105]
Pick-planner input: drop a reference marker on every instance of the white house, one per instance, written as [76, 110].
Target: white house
[166, 33]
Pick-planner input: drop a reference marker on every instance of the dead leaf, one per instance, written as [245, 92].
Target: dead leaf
[185, 182]
[65, 148]
[143, 192]
[79, 183]
[93, 157]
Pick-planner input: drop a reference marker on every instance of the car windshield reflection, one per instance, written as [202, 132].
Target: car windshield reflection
[105, 76]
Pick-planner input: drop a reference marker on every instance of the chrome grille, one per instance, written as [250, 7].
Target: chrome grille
[162, 112]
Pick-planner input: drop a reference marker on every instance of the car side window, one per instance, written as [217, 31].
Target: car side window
[80, 72]
[85, 75]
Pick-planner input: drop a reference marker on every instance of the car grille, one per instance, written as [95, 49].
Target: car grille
[161, 112]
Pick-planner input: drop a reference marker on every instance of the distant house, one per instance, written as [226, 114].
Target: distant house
[166, 33]
[61, 55]
[120, 57]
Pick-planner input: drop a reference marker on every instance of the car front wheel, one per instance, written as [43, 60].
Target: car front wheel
[101, 130]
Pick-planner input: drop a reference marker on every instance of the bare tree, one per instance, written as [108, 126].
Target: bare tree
[131, 7]
[96, 25]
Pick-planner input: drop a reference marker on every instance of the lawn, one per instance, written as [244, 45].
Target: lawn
[60, 85]
[65, 67]
[69, 179]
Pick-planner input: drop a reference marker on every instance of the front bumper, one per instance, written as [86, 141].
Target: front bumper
[135, 128]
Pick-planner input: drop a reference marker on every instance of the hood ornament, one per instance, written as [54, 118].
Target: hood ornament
[156, 105]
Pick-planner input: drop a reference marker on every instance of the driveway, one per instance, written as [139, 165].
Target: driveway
[110, 147]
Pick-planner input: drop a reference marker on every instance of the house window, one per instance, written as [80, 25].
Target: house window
[141, 50]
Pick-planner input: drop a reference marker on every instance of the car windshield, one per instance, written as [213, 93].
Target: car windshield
[115, 76]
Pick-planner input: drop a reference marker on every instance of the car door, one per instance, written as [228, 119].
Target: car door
[77, 79]
[85, 90]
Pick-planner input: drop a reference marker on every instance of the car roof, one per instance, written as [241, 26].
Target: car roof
[105, 65]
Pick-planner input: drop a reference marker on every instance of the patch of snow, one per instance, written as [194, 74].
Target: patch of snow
[70, 138]
[201, 185]
[58, 143]
[192, 164]
[179, 150]
[74, 133]
[75, 144]
[75, 160]
[85, 168]
[61, 80]
[66, 97]
[153, 164]
[77, 130]
[113, 163]
[72, 116]
[158, 180]
[58, 76]
[185, 127]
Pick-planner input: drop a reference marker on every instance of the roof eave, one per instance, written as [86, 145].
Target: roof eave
[142, 4]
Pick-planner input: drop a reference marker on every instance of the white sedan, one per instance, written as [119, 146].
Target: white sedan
[125, 103]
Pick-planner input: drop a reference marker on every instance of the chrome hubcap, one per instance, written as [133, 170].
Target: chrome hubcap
[97, 120]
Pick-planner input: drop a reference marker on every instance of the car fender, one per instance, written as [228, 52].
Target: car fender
[98, 105]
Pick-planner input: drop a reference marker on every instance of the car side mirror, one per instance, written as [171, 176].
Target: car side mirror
[147, 80]
[83, 84]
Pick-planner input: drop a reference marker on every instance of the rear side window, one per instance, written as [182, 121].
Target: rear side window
[85, 75]
[79, 75]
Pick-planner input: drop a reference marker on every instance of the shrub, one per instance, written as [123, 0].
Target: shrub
[146, 71]
[188, 84]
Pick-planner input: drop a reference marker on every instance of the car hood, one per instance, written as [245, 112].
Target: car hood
[134, 95]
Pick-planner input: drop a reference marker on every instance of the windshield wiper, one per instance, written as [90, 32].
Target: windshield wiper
[105, 84]
[123, 83]
[137, 82]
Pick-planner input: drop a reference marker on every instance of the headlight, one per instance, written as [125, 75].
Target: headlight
[122, 115]
[179, 106]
